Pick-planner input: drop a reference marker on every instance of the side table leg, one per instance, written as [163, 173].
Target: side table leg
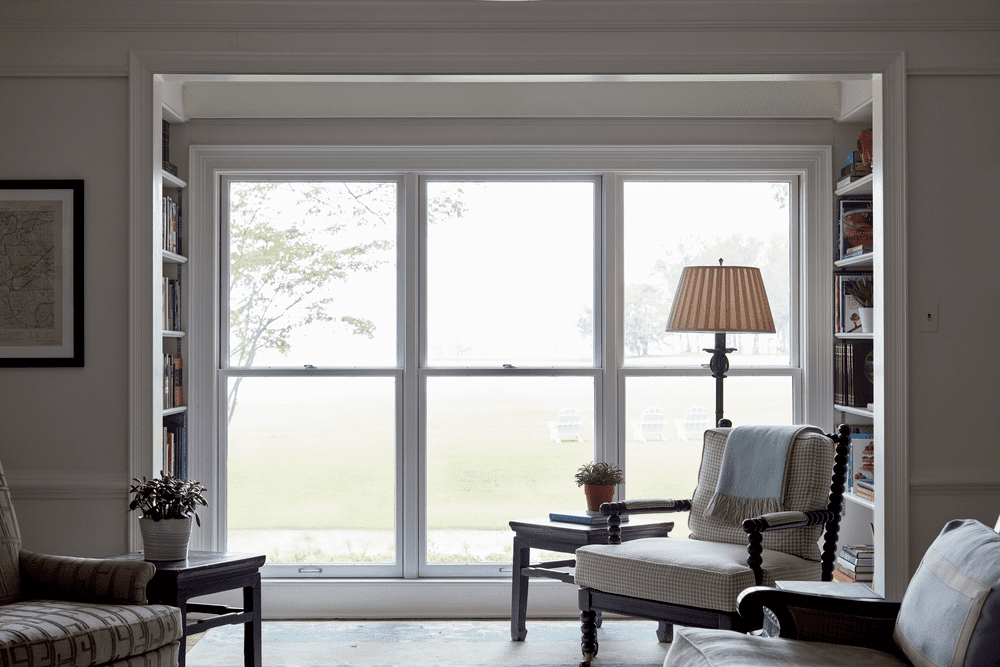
[252, 655]
[182, 605]
[519, 591]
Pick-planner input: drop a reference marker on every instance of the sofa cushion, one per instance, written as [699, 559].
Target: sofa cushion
[679, 571]
[810, 470]
[165, 656]
[960, 576]
[51, 633]
[103, 580]
[694, 647]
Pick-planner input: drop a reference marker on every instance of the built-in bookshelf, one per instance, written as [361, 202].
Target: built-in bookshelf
[853, 353]
[170, 449]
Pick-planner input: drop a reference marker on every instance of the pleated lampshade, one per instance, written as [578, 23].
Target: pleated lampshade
[715, 299]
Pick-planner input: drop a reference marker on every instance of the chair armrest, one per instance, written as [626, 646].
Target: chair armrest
[782, 520]
[644, 506]
[866, 622]
[100, 580]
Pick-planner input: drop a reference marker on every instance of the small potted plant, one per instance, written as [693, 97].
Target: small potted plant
[167, 505]
[599, 481]
[863, 291]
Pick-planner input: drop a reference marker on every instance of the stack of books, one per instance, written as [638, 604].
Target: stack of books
[856, 562]
[853, 169]
[863, 483]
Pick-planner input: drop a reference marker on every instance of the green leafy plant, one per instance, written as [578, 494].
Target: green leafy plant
[601, 473]
[167, 497]
[863, 290]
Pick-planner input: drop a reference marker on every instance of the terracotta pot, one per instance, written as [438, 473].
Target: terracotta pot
[597, 494]
[166, 539]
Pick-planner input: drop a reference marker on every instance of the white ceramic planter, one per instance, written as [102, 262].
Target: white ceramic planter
[166, 539]
[867, 316]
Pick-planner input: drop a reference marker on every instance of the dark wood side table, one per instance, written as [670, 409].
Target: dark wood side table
[563, 537]
[203, 573]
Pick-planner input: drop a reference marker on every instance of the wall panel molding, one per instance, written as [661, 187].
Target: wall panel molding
[65, 485]
[955, 483]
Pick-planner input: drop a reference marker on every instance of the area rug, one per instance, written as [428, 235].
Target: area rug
[623, 643]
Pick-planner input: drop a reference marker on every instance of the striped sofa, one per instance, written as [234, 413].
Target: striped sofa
[57, 611]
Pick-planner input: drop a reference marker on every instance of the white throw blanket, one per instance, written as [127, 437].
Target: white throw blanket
[754, 471]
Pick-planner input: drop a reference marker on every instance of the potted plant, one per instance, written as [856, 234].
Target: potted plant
[599, 481]
[167, 504]
[863, 290]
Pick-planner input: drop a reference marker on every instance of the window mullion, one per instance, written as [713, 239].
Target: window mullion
[409, 459]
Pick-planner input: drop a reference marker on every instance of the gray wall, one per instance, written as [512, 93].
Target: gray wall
[63, 440]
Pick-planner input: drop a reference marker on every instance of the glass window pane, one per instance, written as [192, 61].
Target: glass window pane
[497, 450]
[510, 273]
[666, 419]
[670, 225]
[312, 269]
[304, 454]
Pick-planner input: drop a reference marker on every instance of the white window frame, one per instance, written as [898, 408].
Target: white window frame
[808, 166]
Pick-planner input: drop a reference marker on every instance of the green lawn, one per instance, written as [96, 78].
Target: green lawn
[324, 458]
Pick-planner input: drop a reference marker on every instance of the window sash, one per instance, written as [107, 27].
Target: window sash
[411, 372]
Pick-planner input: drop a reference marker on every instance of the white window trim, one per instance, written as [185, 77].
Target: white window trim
[809, 164]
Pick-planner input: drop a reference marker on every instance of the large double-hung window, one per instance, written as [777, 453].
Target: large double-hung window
[410, 358]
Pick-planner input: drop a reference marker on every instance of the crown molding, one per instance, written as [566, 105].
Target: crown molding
[479, 16]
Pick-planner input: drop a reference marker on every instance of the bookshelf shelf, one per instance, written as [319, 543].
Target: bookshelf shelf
[855, 336]
[862, 186]
[864, 261]
[857, 412]
[864, 502]
[169, 180]
[167, 333]
[173, 258]
[174, 411]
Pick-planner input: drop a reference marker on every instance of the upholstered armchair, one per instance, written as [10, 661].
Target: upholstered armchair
[57, 611]
[949, 617]
[800, 473]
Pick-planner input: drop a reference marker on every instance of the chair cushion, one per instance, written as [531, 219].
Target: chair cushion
[677, 571]
[694, 647]
[10, 544]
[809, 475]
[51, 633]
[950, 614]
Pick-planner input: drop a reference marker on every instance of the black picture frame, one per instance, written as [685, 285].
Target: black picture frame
[41, 273]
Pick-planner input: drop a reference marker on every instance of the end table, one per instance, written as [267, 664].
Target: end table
[203, 573]
[563, 537]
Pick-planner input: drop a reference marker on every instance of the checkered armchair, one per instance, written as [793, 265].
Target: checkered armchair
[57, 611]
[949, 615]
[696, 581]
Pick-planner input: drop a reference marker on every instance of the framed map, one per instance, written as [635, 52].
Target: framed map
[41, 273]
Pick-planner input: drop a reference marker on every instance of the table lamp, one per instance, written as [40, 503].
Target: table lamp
[720, 299]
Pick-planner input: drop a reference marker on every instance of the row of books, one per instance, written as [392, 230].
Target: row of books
[854, 233]
[847, 307]
[855, 562]
[170, 238]
[173, 381]
[853, 372]
[165, 133]
[172, 304]
[861, 462]
[175, 445]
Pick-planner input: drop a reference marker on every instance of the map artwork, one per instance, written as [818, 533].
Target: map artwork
[30, 287]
